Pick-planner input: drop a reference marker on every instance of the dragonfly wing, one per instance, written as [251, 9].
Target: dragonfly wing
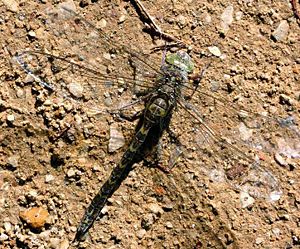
[238, 146]
[87, 64]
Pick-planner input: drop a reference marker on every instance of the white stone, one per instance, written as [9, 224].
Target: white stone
[246, 199]
[49, 178]
[116, 140]
[215, 51]
[227, 18]
[281, 32]
[76, 89]
[12, 5]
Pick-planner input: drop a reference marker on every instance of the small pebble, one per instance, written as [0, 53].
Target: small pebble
[106, 56]
[280, 160]
[54, 243]
[238, 15]
[296, 240]
[32, 193]
[108, 101]
[39, 33]
[48, 102]
[275, 196]
[45, 234]
[102, 23]
[187, 177]
[12, 5]
[169, 225]
[122, 18]
[227, 77]
[29, 79]
[76, 89]
[181, 20]
[20, 93]
[21, 237]
[116, 140]
[104, 210]
[226, 18]
[3, 237]
[13, 161]
[155, 208]
[68, 5]
[49, 178]
[285, 100]
[78, 119]
[141, 233]
[10, 118]
[276, 231]
[259, 240]
[68, 106]
[71, 173]
[214, 85]
[217, 175]
[215, 51]
[32, 34]
[147, 221]
[35, 217]
[246, 199]
[281, 32]
[245, 132]
[96, 168]
[284, 217]
[7, 226]
[73, 229]
[168, 206]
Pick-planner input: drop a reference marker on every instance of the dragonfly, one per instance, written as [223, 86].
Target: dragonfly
[88, 71]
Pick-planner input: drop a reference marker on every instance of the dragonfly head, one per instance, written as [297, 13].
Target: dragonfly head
[181, 60]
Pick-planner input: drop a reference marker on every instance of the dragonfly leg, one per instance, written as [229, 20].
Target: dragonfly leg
[158, 158]
[196, 78]
[173, 136]
[172, 160]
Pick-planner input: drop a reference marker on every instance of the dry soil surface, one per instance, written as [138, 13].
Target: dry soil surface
[54, 153]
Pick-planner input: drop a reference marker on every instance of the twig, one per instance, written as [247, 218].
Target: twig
[153, 25]
[294, 8]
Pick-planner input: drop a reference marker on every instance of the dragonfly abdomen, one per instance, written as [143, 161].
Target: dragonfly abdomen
[155, 111]
[115, 179]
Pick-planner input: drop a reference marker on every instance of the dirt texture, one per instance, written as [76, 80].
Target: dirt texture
[57, 151]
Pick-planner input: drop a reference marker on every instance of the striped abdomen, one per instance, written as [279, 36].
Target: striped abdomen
[155, 113]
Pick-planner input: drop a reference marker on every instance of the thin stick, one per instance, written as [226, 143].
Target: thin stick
[153, 25]
[295, 10]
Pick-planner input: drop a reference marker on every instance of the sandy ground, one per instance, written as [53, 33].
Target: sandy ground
[253, 48]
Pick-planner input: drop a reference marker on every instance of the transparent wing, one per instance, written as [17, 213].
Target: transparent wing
[238, 146]
[77, 37]
[78, 82]
[87, 71]
[86, 63]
